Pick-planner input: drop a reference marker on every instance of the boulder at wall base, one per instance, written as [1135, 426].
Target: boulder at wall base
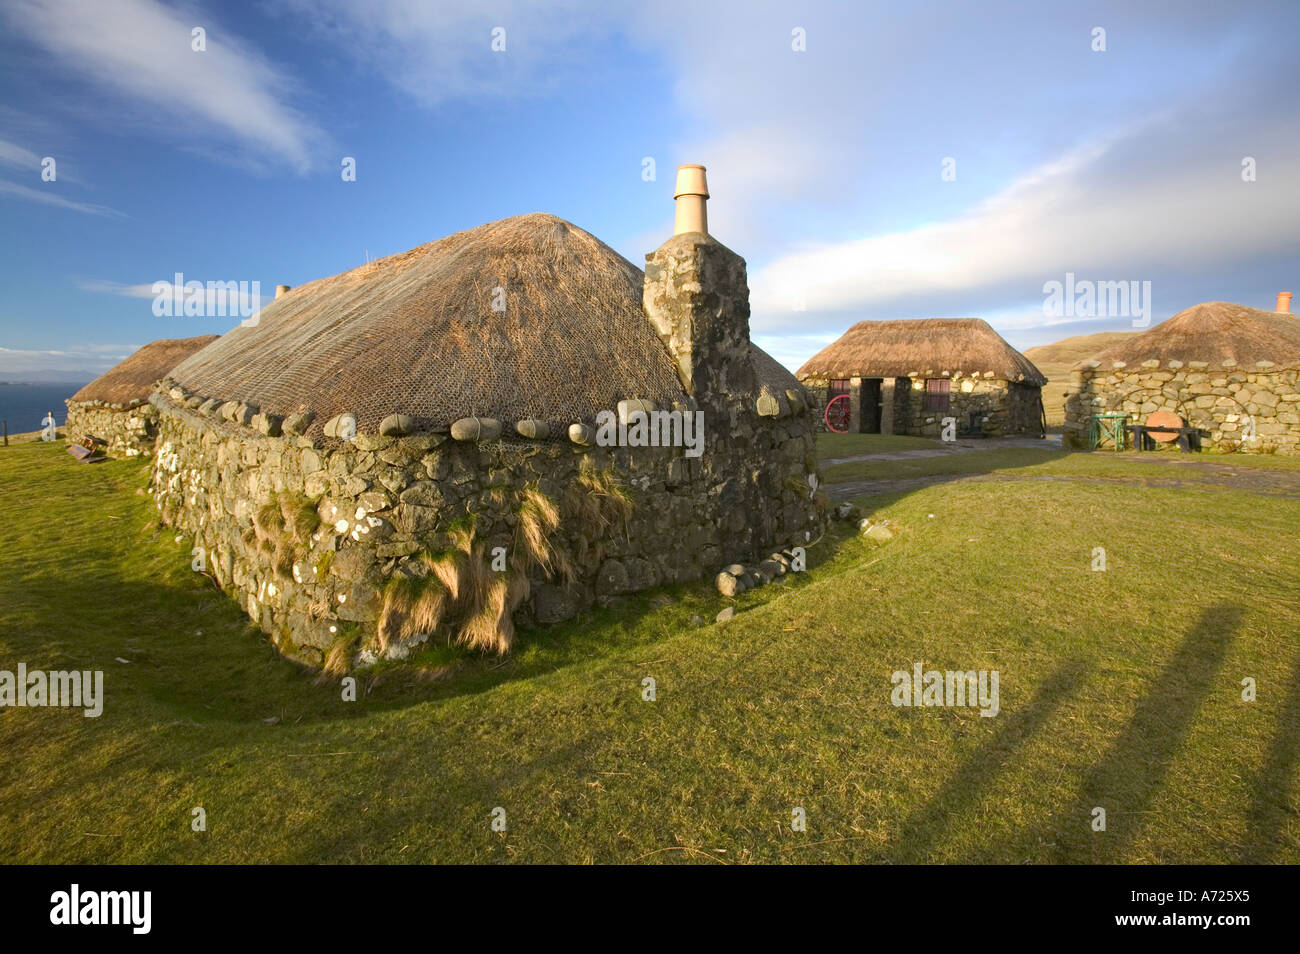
[727, 584]
[555, 602]
[612, 579]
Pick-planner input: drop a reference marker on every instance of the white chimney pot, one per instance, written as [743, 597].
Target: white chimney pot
[692, 193]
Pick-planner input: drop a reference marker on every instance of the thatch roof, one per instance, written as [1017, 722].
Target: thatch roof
[927, 347]
[133, 379]
[417, 334]
[1214, 332]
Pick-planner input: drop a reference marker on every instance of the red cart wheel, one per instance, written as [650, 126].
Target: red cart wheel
[837, 414]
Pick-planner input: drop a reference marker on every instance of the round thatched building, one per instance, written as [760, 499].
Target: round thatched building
[115, 406]
[509, 424]
[905, 377]
[1227, 369]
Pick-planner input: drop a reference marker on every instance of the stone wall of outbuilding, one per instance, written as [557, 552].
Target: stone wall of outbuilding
[382, 500]
[128, 431]
[1005, 408]
[1225, 401]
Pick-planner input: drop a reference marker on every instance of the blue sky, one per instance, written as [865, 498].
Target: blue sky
[824, 163]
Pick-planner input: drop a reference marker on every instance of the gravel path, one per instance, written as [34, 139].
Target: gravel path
[1052, 442]
[1183, 473]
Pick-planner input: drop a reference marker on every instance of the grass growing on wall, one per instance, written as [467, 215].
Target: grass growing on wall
[1119, 689]
[461, 588]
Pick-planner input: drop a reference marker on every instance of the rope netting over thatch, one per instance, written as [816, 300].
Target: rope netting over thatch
[1214, 332]
[926, 347]
[133, 379]
[418, 334]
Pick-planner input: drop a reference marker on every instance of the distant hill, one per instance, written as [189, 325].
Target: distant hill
[1055, 361]
[1070, 351]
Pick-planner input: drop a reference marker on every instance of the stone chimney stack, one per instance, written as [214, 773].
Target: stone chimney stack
[1284, 303]
[696, 295]
[692, 193]
[281, 290]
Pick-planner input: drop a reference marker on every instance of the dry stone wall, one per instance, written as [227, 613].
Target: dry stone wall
[379, 501]
[1255, 409]
[1004, 407]
[128, 431]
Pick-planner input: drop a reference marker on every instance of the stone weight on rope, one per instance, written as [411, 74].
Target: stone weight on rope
[768, 405]
[797, 403]
[476, 429]
[533, 429]
[581, 434]
[396, 425]
[268, 424]
[342, 426]
[299, 422]
[632, 405]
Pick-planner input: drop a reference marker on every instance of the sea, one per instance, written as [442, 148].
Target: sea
[23, 406]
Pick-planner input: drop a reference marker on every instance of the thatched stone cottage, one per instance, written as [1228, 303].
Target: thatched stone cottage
[510, 424]
[1230, 370]
[115, 406]
[905, 377]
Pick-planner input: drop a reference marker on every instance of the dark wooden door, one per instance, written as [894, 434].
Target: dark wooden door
[871, 405]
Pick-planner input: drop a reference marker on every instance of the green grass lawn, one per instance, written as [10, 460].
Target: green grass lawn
[1119, 689]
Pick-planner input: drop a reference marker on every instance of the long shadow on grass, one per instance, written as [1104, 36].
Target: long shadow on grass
[1127, 778]
[909, 475]
[1271, 791]
[195, 654]
[923, 829]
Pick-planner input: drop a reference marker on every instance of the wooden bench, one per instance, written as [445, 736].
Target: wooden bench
[1189, 438]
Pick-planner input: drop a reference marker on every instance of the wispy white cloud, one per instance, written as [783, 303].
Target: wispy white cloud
[436, 51]
[104, 287]
[81, 360]
[48, 197]
[141, 49]
[1089, 212]
[15, 155]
